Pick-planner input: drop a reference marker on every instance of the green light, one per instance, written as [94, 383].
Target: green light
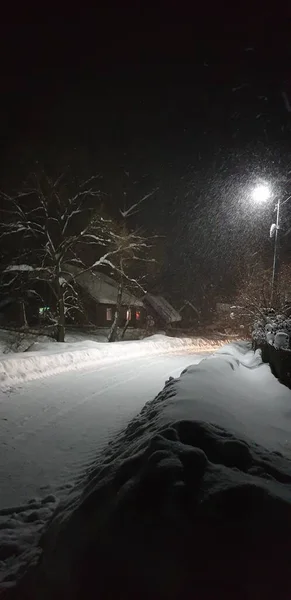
[43, 309]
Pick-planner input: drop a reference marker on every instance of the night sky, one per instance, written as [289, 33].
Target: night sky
[186, 102]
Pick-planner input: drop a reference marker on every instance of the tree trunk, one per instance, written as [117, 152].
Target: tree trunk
[23, 315]
[60, 311]
[61, 320]
[113, 333]
[125, 328]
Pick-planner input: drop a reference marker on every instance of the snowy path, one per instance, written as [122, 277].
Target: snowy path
[51, 428]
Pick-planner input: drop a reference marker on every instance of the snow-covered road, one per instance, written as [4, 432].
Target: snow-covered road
[51, 428]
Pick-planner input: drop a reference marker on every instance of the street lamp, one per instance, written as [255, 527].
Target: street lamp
[262, 193]
[275, 228]
[275, 272]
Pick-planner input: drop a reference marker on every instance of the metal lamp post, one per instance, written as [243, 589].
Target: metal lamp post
[262, 193]
[275, 229]
[275, 273]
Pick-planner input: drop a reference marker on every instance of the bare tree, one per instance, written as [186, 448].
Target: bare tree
[254, 290]
[52, 223]
[130, 250]
[23, 291]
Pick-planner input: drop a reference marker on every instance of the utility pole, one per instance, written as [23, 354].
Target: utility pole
[275, 272]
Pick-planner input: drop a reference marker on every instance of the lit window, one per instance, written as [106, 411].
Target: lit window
[42, 310]
[137, 315]
[108, 314]
[128, 314]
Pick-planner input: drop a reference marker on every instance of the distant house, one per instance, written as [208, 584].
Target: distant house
[99, 295]
[161, 310]
[189, 314]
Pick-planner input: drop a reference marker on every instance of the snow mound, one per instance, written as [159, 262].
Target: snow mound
[242, 352]
[233, 389]
[176, 507]
[51, 359]
[192, 509]
[20, 341]
[20, 530]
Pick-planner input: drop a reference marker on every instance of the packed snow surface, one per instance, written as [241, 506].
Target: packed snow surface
[192, 500]
[46, 359]
[51, 428]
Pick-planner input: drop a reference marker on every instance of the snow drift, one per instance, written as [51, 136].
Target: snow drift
[176, 507]
[51, 359]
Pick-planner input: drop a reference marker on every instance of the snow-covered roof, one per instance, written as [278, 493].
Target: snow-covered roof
[18, 268]
[102, 288]
[163, 308]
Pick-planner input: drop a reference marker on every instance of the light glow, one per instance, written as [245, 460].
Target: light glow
[261, 193]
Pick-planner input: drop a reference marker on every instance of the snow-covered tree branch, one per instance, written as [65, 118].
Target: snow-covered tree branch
[254, 290]
[51, 224]
[48, 225]
[130, 250]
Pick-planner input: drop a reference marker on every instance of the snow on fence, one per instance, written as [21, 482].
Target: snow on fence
[50, 360]
[279, 360]
[275, 347]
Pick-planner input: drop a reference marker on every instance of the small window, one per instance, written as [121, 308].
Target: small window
[137, 315]
[128, 314]
[108, 314]
[43, 310]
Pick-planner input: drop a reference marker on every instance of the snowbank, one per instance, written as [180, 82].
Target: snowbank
[185, 503]
[54, 358]
[21, 340]
[20, 530]
[12, 341]
[234, 389]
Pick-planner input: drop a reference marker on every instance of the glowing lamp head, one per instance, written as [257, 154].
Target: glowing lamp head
[261, 193]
